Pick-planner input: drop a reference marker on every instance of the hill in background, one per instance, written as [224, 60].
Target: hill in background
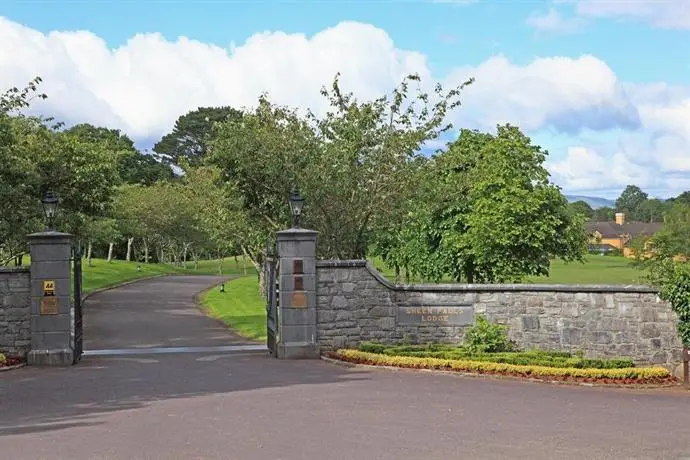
[594, 201]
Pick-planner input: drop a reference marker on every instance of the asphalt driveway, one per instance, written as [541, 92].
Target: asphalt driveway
[229, 405]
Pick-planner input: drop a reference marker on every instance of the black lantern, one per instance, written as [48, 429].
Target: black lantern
[50, 207]
[296, 203]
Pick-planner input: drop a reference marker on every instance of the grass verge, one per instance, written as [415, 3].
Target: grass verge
[595, 270]
[240, 307]
[103, 274]
[631, 375]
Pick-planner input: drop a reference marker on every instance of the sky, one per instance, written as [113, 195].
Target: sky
[603, 85]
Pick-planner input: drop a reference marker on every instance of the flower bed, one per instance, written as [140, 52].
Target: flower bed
[8, 362]
[626, 375]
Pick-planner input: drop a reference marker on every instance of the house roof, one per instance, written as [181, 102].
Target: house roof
[613, 230]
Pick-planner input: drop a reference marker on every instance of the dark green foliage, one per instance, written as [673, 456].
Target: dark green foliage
[675, 289]
[603, 214]
[486, 213]
[522, 358]
[581, 207]
[191, 133]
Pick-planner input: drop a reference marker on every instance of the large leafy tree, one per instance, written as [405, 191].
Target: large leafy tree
[603, 214]
[630, 200]
[19, 178]
[490, 213]
[351, 164]
[134, 167]
[191, 133]
[581, 207]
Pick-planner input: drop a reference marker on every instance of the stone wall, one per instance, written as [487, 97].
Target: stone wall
[355, 303]
[15, 311]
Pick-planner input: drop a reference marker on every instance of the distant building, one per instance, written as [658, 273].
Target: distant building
[619, 233]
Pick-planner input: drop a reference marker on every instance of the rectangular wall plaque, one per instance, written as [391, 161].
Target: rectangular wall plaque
[299, 283]
[298, 300]
[298, 266]
[437, 315]
[49, 305]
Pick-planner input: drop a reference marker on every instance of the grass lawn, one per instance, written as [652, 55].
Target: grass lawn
[103, 274]
[595, 270]
[240, 307]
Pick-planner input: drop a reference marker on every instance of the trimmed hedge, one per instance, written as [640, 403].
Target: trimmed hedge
[518, 358]
[466, 365]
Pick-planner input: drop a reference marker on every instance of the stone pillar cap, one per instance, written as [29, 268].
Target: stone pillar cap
[50, 234]
[296, 233]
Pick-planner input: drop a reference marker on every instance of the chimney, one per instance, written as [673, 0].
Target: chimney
[620, 218]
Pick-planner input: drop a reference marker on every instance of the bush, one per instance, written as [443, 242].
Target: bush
[471, 365]
[486, 337]
[3, 359]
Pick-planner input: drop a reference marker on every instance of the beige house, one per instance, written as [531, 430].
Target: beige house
[619, 233]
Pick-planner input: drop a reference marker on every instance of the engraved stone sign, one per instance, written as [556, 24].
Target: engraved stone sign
[437, 315]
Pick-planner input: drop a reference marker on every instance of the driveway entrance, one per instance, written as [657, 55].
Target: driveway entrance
[155, 315]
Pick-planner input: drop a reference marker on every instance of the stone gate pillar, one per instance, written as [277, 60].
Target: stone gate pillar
[297, 306]
[52, 319]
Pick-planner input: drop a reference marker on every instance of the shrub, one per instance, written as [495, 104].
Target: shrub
[486, 337]
[532, 357]
[3, 359]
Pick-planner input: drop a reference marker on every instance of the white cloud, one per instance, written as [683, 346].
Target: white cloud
[667, 14]
[145, 84]
[553, 22]
[560, 93]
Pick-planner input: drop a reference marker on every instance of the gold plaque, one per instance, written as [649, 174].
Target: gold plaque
[49, 305]
[48, 287]
[298, 300]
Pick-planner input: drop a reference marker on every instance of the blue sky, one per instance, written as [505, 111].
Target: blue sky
[631, 94]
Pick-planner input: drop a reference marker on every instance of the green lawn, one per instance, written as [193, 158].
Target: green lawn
[105, 274]
[240, 307]
[595, 270]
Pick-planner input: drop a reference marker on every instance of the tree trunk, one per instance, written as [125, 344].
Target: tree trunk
[130, 240]
[146, 251]
[220, 264]
[110, 251]
[184, 256]
[262, 284]
[88, 254]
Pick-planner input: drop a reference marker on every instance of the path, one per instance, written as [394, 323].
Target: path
[158, 312]
[211, 405]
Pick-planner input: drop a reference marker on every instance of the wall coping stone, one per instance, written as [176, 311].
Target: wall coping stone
[22, 269]
[457, 287]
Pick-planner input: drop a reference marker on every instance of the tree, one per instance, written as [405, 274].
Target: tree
[651, 210]
[630, 200]
[603, 214]
[674, 238]
[191, 133]
[581, 207]
[490, 213]
[134, 167]
[351, 164]
[19, 178]
[683, 197]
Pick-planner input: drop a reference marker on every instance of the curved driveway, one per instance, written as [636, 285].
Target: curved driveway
[248, 406]
[157, 312]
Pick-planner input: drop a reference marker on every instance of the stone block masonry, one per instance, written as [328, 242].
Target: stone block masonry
[15, 311]
[355, 303]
